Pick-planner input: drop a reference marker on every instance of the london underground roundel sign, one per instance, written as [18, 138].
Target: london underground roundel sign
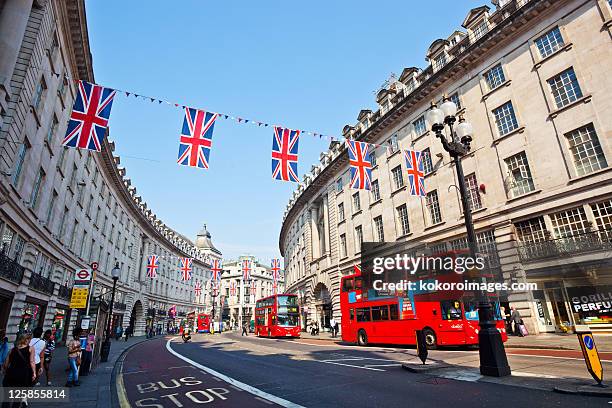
[83, 274]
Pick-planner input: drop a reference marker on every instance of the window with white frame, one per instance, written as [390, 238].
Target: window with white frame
[39, 93]
[358, 238]
[519, 180]
[439, 61]
[402, 218]
[356, 202]
[494, 77]
[343, 246]
[565, 88]
[549, 42]
[480, 30]
[419, 126]
[433, 207]
[427, 164]
[587, 153]
[474, 199]
[340, 212]
[52, 129]
[375, 191]
[21, 157]
[398, 179]
[485, 244]
[35, 195]
[339, 185]
[602, 212]
[532, 230]
[372, 156]
[51, 207]
[505, 118]
[378, 229]
[569, 223]
[393, 145]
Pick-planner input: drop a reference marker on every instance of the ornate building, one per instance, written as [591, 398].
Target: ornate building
[532, 77]
[62, 209]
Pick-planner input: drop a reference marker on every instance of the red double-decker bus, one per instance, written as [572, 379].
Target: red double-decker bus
[277, 316]
[446, 318]
[203, 323]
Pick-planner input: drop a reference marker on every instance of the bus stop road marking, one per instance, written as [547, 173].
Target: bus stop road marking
[255, 391]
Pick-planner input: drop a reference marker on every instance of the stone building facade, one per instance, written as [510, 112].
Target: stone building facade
[532, 78]
[62, 209]
[241, 306]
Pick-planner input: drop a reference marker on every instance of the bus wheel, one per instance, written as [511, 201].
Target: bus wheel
[430, 339]
[362, 338]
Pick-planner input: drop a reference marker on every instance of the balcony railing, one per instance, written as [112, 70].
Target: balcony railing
[41, 284]
[10, 269]
[120, 306]
[64, 292]
[562, 247]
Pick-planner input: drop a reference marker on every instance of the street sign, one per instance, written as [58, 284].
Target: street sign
[78, 300]
[94, 266]
[589, 352]
[85, 322]
[82, 278]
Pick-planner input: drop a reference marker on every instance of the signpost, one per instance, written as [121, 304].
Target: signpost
[421, 345]
[589, 351]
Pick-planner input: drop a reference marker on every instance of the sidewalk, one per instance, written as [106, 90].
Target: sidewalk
[95, 389]
[540, 341]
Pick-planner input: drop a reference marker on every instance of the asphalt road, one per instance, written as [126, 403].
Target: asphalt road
[233, 371]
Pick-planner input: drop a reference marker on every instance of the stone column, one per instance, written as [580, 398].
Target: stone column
[142, 273]
[56, 277]
[28, 261]
[513, 271]
[13, 21]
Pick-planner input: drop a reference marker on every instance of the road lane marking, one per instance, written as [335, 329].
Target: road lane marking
[121, 392]
[350, 365]
[383, 365]
[255, 391]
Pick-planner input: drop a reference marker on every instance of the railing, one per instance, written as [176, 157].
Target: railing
[64, 292]
[561, 247]
[41, 284]
[10, 269]
[120, 306]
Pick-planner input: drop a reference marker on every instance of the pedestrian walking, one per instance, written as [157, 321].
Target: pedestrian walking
[332, 326]
[48, 356]
[336, 329]
[74, 358]
[515, 316]
[19, 367]
[39, 351]
[118, 332]
[245, 330]
[128, 333]
[4, 348]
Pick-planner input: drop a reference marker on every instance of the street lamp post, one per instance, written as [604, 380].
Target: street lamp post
[493, 360]
[106, 346]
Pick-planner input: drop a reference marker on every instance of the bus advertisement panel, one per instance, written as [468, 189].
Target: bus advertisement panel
[203, 323]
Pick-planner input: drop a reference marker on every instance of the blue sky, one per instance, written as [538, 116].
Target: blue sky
[305, 65]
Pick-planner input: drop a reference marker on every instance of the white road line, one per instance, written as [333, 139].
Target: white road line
[383, 365]
[186, 366]
[360, 359]
[349, 365]
[255, 391]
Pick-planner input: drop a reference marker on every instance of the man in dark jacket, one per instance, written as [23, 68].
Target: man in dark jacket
[515, 317]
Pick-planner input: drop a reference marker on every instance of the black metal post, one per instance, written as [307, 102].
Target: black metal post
[493, 359]
[106, 346]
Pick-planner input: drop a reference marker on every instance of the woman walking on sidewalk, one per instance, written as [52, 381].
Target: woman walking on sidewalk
[19, 367]
[49, 349]
[74, 358]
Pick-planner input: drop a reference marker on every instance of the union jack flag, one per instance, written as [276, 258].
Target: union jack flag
[361, 165]
[285, 154]
[152, 265]
[232, 288]
[253, 287]
[185, 268]
[89, 117]
[196, 138]
[198, 288]
[246, 270]
[416, 175]
[275, 269]
[216, 269]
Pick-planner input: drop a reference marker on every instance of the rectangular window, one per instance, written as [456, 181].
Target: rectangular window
[398, 178]
[51, 207]
[380, 313]
[402, 218]
[586, 151]
[75, 229]
[358, 238]
[519, 179]
[480, 30]
[363, 314]
[494, 77]
[35, 195]
[62, 226]
[427, 164]
[62, 157]
[373, 157]
[393, 145]
[378, 229]
[439, 62]
[433, 207]
[419, 126]
[39, 93]
[569, 223]
[394, 311]
[375, 191]
[505, 119]
[565, 88]
[455, 99]
[21, 156]
[340, 212]
[83, 245]
[356, 203]
[73, 176]
[343, 246]
[473, 191]
[339, 185]
[603, 219]
[549, 42]
[52, 129]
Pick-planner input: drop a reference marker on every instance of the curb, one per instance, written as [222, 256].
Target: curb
[588, 390]
[115, 400]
